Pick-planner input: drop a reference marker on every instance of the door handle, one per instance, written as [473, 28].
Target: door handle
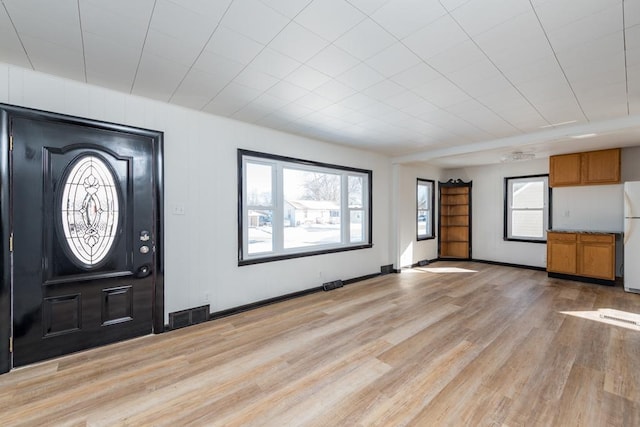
[143, 271]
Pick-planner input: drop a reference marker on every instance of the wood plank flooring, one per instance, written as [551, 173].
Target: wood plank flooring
[450, 344]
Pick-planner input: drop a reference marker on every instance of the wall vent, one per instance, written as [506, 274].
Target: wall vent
[188, 317]
[423, 263]
[332, 285]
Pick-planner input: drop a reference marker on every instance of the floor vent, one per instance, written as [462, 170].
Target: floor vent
[188, 317]
[332, 285]
[386, 269]
[423, 263]
[620, 319]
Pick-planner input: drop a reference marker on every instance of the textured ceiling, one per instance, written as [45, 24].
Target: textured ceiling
[413, 79]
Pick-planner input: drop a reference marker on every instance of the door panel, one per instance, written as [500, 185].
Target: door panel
[84, 228]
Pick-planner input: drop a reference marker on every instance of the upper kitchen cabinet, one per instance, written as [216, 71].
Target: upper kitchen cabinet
[565, 170]
[601, 167]
[589, 168]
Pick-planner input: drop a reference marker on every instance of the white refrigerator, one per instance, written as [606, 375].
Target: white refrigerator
[632, 236]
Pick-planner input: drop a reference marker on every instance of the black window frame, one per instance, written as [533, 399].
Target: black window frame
[245, 259]
[506, 209]
[431, 219]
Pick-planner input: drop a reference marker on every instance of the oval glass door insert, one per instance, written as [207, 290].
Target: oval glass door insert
[89, 210]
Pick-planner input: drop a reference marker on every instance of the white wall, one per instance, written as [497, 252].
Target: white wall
[591, 208]
[487, 210]
[200, 176]
[409, 250]
[631, 163]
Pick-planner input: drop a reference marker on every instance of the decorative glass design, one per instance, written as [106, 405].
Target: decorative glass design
[89, 210]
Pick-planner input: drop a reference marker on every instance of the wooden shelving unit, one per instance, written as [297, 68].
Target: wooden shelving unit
[454, 240]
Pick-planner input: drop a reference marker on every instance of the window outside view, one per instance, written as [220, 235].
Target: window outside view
[424, 209]
[311, 208]
[527, 219]
[527, 208]
[356, 209]
[290, 206]
[259, 201]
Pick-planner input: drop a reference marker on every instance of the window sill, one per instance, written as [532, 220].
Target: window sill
[281, 257]
[506, 239]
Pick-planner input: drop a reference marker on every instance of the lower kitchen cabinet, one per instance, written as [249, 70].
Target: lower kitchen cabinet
[561, 253]
[588, 255]
[597, 256]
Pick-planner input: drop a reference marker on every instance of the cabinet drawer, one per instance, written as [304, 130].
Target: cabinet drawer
[562, 237]
[597, 238]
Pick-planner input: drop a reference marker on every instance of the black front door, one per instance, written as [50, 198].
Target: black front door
[84, 222]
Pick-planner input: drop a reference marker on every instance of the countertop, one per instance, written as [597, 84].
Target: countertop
[617, 233]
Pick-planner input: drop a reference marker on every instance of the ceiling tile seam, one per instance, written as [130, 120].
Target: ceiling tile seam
[442, 75]
[373, 11]
[331, 43]
[298, 119]
[455, 8]
[280, 80]
[498, 69]
[250, 62]
[555, 55]
[626, 68]
[302, 65]
[472, 40]
[428, 65]
[17, 35]
[392, 123]
[84, 55]
[204, 46]
[144, 43]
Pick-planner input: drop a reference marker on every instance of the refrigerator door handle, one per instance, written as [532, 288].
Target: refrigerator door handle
[628, 208]
[627, 230]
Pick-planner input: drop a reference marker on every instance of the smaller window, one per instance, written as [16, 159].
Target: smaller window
[424, 207]
[527, 208]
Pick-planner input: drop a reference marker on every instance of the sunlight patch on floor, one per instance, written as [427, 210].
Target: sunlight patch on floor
[610, 316]
[441, 270]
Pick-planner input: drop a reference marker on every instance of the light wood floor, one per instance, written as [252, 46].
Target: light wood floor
[492, 347]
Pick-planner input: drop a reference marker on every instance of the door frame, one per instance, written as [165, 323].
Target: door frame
[7, 112]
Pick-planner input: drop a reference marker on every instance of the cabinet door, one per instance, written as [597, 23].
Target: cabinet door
[601, 167]
[597, 256]
[565, 170]
[561, 253]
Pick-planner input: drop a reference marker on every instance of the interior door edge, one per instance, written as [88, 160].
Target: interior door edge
[5, 254]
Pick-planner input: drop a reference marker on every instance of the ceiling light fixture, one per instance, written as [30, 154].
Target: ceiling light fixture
[584, 135]
[517, 156]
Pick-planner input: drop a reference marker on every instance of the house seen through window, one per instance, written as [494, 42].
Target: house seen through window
[527, 208]
[294, 207]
